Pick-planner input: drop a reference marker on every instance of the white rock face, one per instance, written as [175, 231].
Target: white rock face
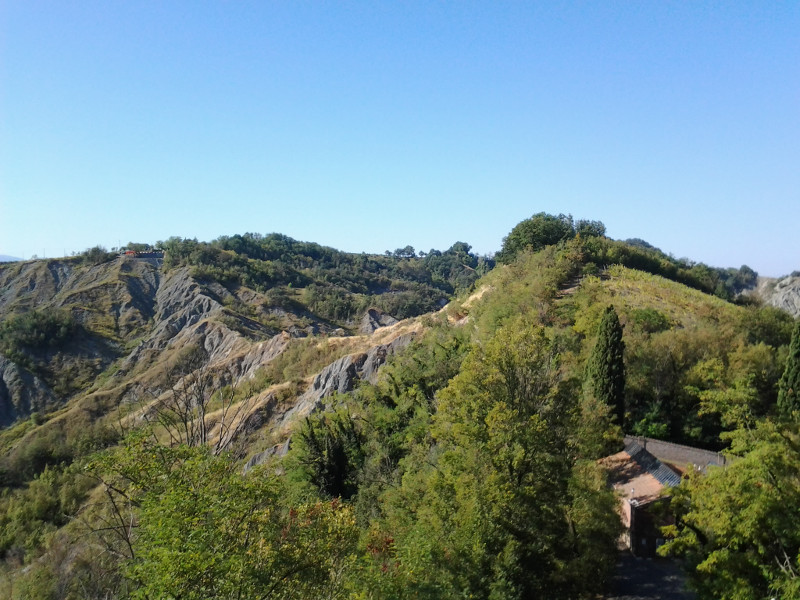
[782, 293]
[374, 319]
[341, 376]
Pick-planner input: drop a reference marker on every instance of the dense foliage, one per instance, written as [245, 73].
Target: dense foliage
[542, 230]
[96, 255]
[724, 283]
[334, 285]
[738, 527]
[508, 509]
[789, 386]
[35, 330]
[205, 531]
[470, 469]
[28, 337]
[605, 370]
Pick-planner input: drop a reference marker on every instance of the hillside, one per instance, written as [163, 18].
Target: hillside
[127, 314]
[414, 450]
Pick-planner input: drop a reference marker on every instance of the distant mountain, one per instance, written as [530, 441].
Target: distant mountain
[6, 258]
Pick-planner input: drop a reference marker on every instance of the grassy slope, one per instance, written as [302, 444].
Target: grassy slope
[629, 290]
[679, 340]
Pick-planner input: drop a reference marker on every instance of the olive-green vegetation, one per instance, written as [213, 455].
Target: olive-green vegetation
[96, 255]
[335, 285]
[738, 529]
[45, 504]
[468, 470]
[22, 335]
[543, 230]
[789, 386]
[507, 504]
[330, 453]
[471, 470]
[702, 371]
[304, 357]
[205, 531]
[40, 341]
[725, 283]
[679, 343]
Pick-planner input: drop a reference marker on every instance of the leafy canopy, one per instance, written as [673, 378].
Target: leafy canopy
[789, 386]
[505, 507]
[738, 529]
[205, 530]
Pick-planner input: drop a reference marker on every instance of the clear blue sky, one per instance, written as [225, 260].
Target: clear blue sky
[372, 125]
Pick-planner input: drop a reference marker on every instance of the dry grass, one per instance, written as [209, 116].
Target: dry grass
[628, 289]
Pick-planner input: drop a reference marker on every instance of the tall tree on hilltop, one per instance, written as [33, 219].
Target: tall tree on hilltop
[789, 386]
[535, 233]
[605, 371]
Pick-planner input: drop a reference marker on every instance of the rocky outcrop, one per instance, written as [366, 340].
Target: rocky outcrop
[132, 311]
[21, 393]
[342, 375]
[374, 319]
[180, 305]
[245, 367]
[377, 355]
[339, 377]
[279, 450]
[783, 293]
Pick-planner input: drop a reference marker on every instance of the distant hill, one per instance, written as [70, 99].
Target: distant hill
[127, 314]
[6, 258]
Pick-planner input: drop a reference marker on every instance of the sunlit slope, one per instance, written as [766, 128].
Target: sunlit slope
[679, 341]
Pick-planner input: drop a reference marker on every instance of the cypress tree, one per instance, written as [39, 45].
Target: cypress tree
[789, 386]
[605, 371]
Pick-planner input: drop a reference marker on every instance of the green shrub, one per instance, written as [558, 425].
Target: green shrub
[649, 320]
[36, 330]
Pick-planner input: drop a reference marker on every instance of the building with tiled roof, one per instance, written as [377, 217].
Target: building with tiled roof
[640, 479]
